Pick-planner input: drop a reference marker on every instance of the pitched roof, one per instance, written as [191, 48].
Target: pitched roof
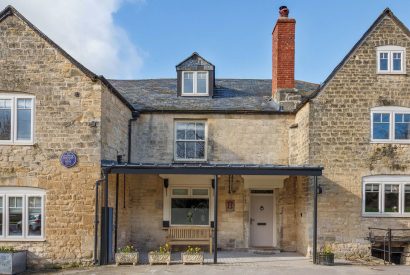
[10, 10]
[386, 12]
[194, 60]
[230, 95]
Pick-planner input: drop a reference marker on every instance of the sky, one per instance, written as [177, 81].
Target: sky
[138, 39]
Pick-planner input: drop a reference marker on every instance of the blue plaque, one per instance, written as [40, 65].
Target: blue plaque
[68, 159]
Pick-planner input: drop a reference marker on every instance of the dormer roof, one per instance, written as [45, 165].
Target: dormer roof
[195, 62]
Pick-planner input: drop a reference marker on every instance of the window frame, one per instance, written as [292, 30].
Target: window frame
[195, 84]
[390, 50]
[392, 110]
[205, 141]
[13, 136]
[25, 193]
[382, 181]
[190, 196]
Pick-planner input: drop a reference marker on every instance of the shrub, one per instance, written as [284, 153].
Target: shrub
[193, 250]
[127, 249]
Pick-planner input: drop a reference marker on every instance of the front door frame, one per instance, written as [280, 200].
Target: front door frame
[274, 221]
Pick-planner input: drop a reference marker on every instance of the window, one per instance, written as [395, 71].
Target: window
[386, 195]
[391, 60]
[21, 212]
[390, 124]
[190, 140]
[16, 119]
[190, 206]
[195, 83]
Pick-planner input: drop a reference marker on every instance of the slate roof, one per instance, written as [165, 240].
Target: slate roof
[230, 95]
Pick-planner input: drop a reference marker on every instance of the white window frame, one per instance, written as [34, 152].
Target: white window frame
[382, 180]
[191, 196]
[14, 98]
[205, 145]
[390, 50]
[392, 110]
[195, 84]
[25, 193]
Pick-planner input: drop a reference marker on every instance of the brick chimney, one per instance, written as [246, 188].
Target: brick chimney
[283, 52]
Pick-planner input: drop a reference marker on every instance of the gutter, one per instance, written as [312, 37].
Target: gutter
[96, 221]
[135, 116]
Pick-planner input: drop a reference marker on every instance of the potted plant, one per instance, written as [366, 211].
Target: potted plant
[12, 261]
[161, 256]
[126, 255]
[326, 256]
[193, 255]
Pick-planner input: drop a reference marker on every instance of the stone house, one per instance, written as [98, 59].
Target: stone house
[88, 165]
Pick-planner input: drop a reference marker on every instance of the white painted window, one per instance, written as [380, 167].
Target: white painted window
[21, 214]
[16, 119]
[190, 206]
[391, 60]
[190, 140]
[386, 195]
[194, 83]
[390, 124]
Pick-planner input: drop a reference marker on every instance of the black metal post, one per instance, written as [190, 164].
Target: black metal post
[315, 220]
[106, 223]
[216, 219]
[96, 221]
[390, 248]
[124, 189]
[116, 212]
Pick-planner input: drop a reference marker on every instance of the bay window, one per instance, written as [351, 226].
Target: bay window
[190, 140]
[21, 213]
[16, 119]
[390, 124]
[386, 195]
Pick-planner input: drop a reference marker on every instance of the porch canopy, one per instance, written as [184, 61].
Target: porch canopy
[215, 169]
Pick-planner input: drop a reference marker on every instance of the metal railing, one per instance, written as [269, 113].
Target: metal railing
[388, 238]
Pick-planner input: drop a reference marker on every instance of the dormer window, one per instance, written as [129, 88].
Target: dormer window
[391, 60]
[195, 83]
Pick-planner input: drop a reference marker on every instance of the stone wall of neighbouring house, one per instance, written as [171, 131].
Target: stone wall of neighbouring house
[63, 122]
[340, 140]
[231, 138]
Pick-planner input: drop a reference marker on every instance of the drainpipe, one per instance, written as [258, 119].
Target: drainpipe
[96, 221]
[135, 116]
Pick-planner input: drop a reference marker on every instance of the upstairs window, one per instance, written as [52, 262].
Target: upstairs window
[391, 60]
[390, 124]
[16, 119]
[190, 140]
[194, 83]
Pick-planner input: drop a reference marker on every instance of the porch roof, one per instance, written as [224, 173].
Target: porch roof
[211, 169]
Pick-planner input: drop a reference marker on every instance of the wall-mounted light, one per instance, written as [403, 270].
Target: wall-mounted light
[166, 185]
[213, 183]
[319, 189]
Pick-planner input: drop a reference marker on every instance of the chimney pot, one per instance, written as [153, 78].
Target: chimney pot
[283, 11]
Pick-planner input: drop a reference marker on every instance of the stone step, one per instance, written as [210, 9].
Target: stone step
[264, 250]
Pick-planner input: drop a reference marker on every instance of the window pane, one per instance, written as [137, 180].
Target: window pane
[1, 215]
[201, 83]
[5, 119]
[180, 149]
[23, 124]
[200, 192]
[402, 126]
[396, 61]
[384, 61]
[15, 216]
[372, 198]
[381, 126]
[407, 198]
[391, 198]
[200, 149]
[190, 211]
[190, 150]
[34, 216]
[180, 192]
[188, 83]
[200, 131]
[181, 127]
[190, 131]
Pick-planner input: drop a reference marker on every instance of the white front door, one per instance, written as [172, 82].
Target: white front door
[261, 220]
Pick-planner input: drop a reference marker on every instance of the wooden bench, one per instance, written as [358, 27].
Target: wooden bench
[190, 236]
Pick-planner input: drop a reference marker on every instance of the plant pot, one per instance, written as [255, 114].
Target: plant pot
[326, 259]
[13, 262]
[126, 258]
[192, 258]
[159, 258]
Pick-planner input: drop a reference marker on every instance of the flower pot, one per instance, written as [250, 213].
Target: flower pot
[159, 258]
[326, 259]
[13, 262]
[126, 258]
[192, 258]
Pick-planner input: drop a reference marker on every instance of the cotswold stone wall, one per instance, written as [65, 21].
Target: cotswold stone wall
[67, 118]
[340, 139]
[231, 138]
